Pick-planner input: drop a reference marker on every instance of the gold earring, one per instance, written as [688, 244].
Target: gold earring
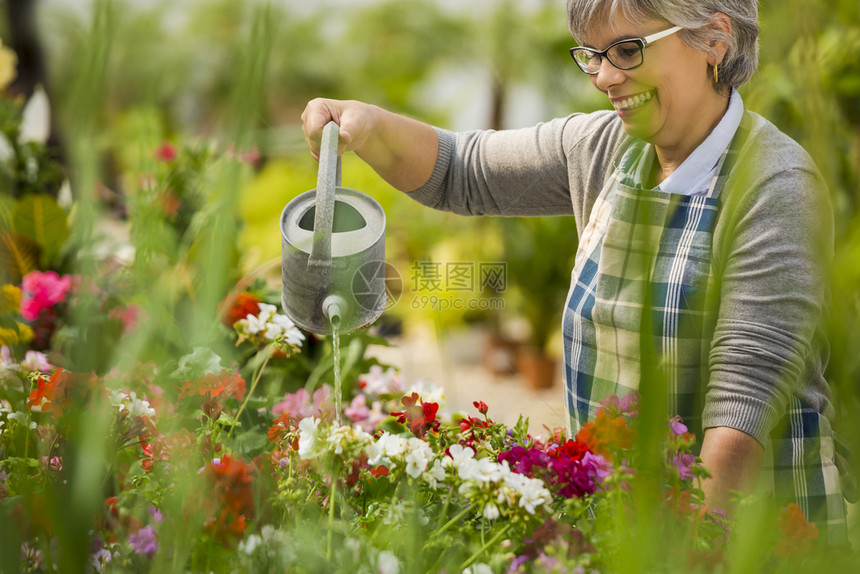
[716, 75]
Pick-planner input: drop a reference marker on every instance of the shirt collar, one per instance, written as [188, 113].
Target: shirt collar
[693, 176]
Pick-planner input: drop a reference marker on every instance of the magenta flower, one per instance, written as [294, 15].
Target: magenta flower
[42, 290]
[144, 541]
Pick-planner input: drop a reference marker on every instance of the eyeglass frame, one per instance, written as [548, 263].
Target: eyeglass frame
[643, 43]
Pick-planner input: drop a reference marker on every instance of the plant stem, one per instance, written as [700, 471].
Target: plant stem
[480, 550]
[330, 519]
[269, 352]
[460, 515]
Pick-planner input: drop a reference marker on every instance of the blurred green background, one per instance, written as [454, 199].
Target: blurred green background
[171, 70]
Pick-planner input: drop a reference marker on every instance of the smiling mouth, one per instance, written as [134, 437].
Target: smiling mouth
[633, 102]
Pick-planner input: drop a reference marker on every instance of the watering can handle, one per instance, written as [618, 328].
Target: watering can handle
[328, 179]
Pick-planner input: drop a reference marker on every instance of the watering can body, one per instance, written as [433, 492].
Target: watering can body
[332, 252]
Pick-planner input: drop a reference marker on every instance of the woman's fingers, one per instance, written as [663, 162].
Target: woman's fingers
[347, 115]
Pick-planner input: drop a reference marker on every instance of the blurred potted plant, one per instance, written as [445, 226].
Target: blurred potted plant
[539, 252]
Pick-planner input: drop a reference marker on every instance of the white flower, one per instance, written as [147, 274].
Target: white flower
[139, 407]
[387, 563]
[435, 474]
[416, 463]
[481, 470]
[308, 428]
[532, 491]
[429, 392]
[479, 568]
[491, 511]
[36, 118]
[459, 455]
[250, 543]
[349, 437]
[21, 418]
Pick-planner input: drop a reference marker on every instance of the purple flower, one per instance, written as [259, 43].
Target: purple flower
[678, 428]
[684, 464]
[144, 541]
[155, 513]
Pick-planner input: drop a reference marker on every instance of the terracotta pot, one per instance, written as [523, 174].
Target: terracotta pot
[500, 355]
[536, 367]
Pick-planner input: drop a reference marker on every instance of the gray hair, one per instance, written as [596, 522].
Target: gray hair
[741, 59]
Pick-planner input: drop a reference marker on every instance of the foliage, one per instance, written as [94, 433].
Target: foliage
[141, 382]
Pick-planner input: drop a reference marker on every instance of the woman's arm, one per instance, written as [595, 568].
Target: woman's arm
[734, 460]
[401, 150]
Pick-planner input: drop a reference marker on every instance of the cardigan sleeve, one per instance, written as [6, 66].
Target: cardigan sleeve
[775, 244]
[541, 170]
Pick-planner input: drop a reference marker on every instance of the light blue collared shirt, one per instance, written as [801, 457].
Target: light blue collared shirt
[694, 175]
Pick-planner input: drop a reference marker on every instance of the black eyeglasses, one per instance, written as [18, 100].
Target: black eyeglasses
[624, 54]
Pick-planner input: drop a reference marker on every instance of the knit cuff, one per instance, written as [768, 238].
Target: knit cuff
[432, 193]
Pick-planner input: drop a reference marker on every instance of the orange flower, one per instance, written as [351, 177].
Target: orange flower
[232, 499]
[215, 385]
[606, 433]
[797, 534]
[243, 305]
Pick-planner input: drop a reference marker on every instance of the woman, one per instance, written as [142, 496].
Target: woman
[681, 198]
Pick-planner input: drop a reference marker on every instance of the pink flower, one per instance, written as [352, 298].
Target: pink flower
[301, 405]
[678, 428]
[129, 317]
[684, 463]
[366, 417]
[166, 152]
[36, 361]
[144, 541]
[42, 290]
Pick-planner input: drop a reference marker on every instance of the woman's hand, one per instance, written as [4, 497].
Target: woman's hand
[354, 118]
[401, 150]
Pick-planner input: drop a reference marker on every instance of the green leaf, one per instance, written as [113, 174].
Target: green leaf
[248, 442]
[39, 217]
[18, 256]
[6, 206]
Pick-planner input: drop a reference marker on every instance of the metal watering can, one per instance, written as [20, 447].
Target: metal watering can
[332, 252]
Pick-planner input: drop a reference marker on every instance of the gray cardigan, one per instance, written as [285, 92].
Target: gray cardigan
[772, 247]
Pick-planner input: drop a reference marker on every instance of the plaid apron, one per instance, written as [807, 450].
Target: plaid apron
[639, 240]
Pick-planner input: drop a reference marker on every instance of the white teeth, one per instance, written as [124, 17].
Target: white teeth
[633, 101]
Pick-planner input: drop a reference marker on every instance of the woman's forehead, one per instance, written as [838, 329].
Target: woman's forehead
[603, 30]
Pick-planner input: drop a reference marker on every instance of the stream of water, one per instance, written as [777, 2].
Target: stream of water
[338, 392]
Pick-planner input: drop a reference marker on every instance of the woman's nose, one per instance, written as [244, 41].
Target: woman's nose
[607, 76]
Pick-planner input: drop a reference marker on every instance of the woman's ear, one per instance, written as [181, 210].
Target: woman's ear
[723, 24]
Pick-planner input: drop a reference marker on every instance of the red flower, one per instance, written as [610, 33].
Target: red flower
[420, 419]
[481, 406]
[571, 449]
[468, 423]
[380, 471]
[243, 305]
[796, 533]
[166, 152]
